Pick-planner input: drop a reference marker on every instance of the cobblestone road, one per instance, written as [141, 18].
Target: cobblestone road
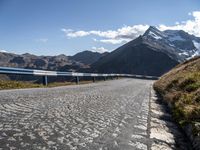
[105, 115]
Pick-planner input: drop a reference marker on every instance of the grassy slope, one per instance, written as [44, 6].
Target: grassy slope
[181, 88]
[7, 84]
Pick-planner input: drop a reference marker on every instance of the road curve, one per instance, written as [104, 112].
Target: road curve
[104, 115]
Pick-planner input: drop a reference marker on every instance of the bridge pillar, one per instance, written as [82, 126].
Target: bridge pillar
[104, 78]
[77, 80]
[45, 80]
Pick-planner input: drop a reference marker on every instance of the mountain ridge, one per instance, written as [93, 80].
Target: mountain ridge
[58, 62]
[133, 57]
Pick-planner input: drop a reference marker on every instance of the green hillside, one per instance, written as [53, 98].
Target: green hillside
[181, 89]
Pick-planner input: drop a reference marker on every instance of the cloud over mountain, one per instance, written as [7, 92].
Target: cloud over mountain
[191, 26]
[128, 33]
[3, 51]
[120, 35]
[99, 49]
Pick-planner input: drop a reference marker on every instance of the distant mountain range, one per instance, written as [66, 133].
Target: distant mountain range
[153, 53]
[62, 62]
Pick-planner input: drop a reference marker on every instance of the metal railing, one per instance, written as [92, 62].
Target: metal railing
[45, 74]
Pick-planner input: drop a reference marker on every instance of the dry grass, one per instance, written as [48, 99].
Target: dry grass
[181, 88]
[55, 84]
[17, 85]
[7, 84]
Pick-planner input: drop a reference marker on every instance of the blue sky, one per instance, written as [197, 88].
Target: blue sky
[51, 27]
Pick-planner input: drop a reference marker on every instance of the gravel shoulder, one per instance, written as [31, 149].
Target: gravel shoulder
[164, 132]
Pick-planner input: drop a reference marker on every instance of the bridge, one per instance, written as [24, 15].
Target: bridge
[110, 115]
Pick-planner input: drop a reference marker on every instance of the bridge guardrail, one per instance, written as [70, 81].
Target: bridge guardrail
[45, 74]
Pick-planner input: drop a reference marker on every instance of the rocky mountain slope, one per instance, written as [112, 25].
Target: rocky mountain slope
[153, 53]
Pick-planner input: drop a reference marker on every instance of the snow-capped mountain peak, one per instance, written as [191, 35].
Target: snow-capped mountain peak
[176, 42]
[153, 32]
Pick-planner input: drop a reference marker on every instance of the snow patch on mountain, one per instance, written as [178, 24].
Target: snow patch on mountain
[196, 44]
[184, 53]
[172, 45]
[176, 38]
[195, 54]
[154, 35]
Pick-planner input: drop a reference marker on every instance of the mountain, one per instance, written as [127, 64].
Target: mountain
[178, 42]
[88, 57]
[153, 53]
[32, 61]
[60, 62]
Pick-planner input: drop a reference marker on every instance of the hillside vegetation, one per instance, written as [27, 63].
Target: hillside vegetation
[6, 84]
[9, 84]
[181, 89]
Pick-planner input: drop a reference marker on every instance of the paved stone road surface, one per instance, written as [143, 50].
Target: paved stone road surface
[106, 115]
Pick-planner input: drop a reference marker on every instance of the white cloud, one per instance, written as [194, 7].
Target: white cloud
[191, 26]
[99, 49]
[42, 40]
[94, 39]
[3, 51]
[118, 36]
[114, 41]
[127, 33]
